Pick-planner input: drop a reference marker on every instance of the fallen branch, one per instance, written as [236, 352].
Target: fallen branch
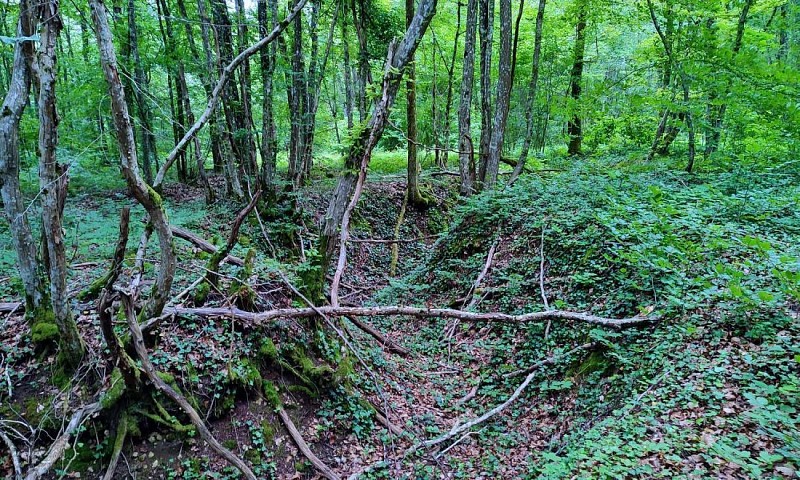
[14, 455]
[203, 245]
[380, 337]
[119, 442]
[152, 374]
[458, 429]
[61, 444]
[212, 277]
[12, 307]
[303, 446]
[262, 317]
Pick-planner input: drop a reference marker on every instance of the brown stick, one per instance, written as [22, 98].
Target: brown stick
[263, 317]
[152, 374]
[304, 449]
[380, 337]
[203, 244]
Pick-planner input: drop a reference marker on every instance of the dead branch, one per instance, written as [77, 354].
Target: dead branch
[486, 266]
[458, 429]
[380, 337]
[213, 265]
[61, 444]
[263, 317]
[204, 245]
[303, 446]
[14, 455]
[152, 374]
[12, 307]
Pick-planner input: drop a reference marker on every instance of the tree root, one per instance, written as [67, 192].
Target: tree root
[150, 371]
[119, 442]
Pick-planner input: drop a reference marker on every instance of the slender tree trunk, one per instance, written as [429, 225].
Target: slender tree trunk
[448, 104]
[364, 76]
[267, 19]
[53, 182]
[466, 159]
[348, 77]
[575, 125]
[412, 172]
[485, 31]
[140, 90]
[147, 197]
[359, 154]
[37, 300]
[530, 99]
[249, 161]
[716, 116]
[505, 81]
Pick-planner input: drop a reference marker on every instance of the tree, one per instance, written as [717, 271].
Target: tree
[574, 126]
[53, 179]
[412, 177]
[466, 157]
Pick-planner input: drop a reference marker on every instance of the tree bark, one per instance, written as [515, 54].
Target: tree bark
[485, 31]
[267, 19]
[530, 99]
[466, 159]
[36, 296]
[53, 182]
[413, 168]
[140, 93]
[145, 195]
[575, 125]
[505, 81]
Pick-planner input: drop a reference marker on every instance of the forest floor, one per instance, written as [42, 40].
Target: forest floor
[711, 391]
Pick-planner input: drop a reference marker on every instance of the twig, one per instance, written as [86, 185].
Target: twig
[303, 446]
[152, 374]
[541, 284]
[452, 445]
[470, 395]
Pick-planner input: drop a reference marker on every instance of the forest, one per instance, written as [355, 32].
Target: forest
[379, 239]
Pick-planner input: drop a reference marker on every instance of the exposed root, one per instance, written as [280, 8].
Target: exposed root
[119, 442]
[150, 371]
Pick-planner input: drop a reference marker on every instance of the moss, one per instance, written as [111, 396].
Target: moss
[594, 362]
[310, 371]
[302, 389]
[253, 456]
[155, 197]
[230, 444]
[344, 371]
[268, 430]
[201, 293]
[115, 391]
[166, 377]
[44, 332]
[268, 350]
[247, 375]
[93, 290]
[133, 426]
[271, 394]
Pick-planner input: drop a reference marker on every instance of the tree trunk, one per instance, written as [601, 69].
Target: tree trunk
[575, 126]
[141, 95]
[348, 80]
[53, 182]
[145, 195]
[505, 81]
[716, 112]
[249, 163]
[466, 159]
[485, 31]
[530, 99]
[448, 103]
[412, 172]
[267, 19]
[37, 301]
[359, 154]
